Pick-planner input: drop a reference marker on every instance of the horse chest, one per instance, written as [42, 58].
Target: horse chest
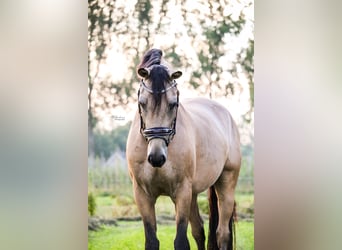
[159, 181]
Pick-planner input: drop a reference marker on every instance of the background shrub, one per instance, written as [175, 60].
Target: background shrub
[91, 204]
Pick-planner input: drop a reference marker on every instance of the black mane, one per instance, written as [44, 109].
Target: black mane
[158, 76]
[151, 57]
[158, 73]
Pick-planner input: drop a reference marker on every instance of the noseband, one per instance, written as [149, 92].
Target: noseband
[164, 133]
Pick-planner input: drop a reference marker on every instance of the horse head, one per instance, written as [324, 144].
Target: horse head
[158, 104]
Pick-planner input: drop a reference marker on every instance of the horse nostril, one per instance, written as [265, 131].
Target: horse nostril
[150, 159]
[159, 161]
[156, 160]
[162, 160]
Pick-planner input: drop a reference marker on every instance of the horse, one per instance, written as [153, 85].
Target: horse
[180, 149]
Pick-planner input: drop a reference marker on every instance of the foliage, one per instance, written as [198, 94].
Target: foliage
[104, 200]
[131, 29]
[107, 20]
[117, 237]
[120, 204]
[108, 180]
[203, 204]
[116, 206]
[107, 142]
[245, 203]
[216, 32]
[247, 164]
[91, 204]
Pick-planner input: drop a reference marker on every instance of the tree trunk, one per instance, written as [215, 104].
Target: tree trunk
[91, 144]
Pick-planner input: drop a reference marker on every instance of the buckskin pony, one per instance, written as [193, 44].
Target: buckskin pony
[180, 149]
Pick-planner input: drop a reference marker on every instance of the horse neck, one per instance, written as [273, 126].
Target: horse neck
[182, 115]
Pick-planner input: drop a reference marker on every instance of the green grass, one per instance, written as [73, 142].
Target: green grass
[112, 206]
[245, 202]
[120, 206]
[130, 236]
[104, 201]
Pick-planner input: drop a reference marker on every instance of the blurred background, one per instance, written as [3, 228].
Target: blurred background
[211, 42]
[44, 123]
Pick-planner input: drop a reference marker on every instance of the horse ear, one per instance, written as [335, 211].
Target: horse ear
[143, 72]
[176, 75]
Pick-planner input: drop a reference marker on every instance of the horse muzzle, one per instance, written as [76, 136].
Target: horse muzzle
[157, 151]
[156, 160]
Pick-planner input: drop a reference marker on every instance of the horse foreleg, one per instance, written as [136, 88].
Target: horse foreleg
[225, 187]
[146, 208]
[183, 203]
[196, 222]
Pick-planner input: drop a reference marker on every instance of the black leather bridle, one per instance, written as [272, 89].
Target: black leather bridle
[164, 133]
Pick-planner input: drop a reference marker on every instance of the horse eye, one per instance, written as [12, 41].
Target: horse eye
[142, 104]
[172, 105]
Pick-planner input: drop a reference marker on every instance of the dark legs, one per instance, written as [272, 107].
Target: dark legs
[225, 187]
[196, 222]
[151, 241]
[146, 208]
[182, 202]
[181, 241]
[186, 210]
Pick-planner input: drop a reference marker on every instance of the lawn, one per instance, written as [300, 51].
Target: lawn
[130, 236]
[123, 206]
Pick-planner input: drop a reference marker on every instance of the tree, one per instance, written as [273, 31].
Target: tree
[247, 63]
[206, 26]
[107, 142]
[99, 29]
[106, 19]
